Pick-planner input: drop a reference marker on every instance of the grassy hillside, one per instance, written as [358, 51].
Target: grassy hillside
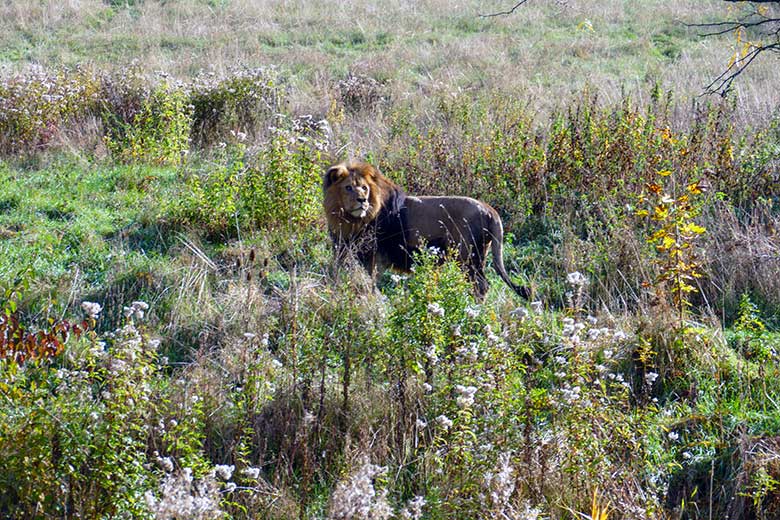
[163, 160]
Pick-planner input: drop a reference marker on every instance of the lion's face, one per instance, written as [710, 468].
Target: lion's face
[354, 192]
[351, 189]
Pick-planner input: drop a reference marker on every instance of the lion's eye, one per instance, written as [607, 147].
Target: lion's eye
[349, 188]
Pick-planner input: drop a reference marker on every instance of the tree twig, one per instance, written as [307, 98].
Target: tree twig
[504, 13]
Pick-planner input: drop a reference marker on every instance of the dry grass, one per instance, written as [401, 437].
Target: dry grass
[542, 51]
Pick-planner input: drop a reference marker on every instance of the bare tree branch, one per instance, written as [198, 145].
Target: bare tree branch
[756, 21]
[504, 13]
[722, 84]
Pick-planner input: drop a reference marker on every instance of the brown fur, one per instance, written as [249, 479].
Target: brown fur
[371, 216]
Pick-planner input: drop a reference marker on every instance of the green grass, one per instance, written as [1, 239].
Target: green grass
[74, 222]
[254, 354]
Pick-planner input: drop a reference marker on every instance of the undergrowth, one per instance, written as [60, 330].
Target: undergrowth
[224, 370]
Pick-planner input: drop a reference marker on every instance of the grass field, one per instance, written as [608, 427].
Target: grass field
[164, 159]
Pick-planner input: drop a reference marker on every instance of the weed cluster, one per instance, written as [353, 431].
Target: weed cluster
[274, 391]
[141, 119]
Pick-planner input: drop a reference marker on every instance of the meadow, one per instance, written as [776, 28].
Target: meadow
[176, 343]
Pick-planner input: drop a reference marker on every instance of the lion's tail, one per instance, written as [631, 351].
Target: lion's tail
[497, 247]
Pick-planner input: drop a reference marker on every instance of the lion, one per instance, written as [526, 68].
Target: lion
[371, 216]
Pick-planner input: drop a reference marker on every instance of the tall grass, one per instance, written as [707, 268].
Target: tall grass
[230, 373]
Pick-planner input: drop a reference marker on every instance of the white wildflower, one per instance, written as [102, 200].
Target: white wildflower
[427, 387]
[435, 309]
[251, 473]
[650, 377]
[421, 424]
[520, 313]
[571, 394]
[413, 509]
[568, 330]
[92, 309]
[491, 336]
[472, 311]
[501, 484]
[356, 497]
[536, 307]
[136, 310]
[576, 279]
[465, 395]
[594, 334]
[397, 278]
[224, 471]
[469, 352]
[444, 421]
[619, 335]
[673, 436]
[430, 353]
[180, 496]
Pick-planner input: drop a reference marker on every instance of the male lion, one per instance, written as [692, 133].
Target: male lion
[370, 215]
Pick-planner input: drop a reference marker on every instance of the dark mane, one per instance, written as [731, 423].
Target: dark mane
[391, 230]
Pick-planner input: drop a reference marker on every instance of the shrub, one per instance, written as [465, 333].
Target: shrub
[278, 191]
[80, 421]
[358, 92]
[243, 101]
[36, 106]
[158, 132]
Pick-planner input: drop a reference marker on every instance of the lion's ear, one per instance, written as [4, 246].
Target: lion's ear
[368, 171]
[335, 174]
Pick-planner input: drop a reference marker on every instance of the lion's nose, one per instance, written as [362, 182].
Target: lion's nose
[361, 199]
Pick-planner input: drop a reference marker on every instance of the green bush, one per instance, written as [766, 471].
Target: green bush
[279, 191]
[158, 132]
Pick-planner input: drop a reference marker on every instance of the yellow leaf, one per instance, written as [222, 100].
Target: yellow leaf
[657, 236]
[693, 228]
[661, 212]
[664, 173]
[694, 188]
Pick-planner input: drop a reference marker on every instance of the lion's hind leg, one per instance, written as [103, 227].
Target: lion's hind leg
[475, 269]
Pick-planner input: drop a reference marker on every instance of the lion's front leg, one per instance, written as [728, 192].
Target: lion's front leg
[368, 259]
